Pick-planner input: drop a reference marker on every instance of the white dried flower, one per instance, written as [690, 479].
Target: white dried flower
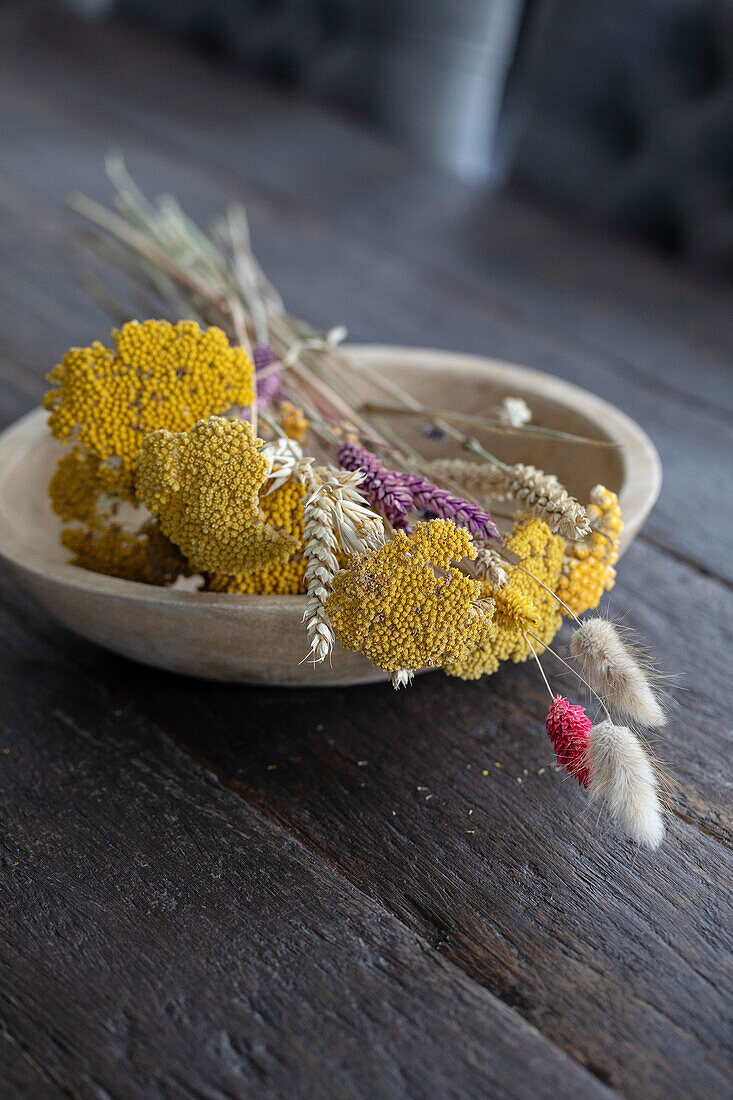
[514, 411]
[285, 458]
[622, 779]
[402, 678]
[611, 669]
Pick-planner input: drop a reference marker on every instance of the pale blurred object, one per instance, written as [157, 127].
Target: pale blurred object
[431, 72]
[514, 411]
[440, 81]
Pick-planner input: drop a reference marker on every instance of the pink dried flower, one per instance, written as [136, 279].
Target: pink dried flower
[569, 728]
[384, 489]
[444, 504]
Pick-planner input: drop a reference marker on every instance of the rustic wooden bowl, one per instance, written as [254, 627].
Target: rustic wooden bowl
[260, 639]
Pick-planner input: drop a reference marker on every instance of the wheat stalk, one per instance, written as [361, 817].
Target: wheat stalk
[335, 517]
[319, 547]
[539, 493]
[489, 566]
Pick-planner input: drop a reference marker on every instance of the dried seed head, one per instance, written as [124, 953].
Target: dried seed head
[543, 495]
[622, 779]
[335, 517]
[478, 479]
[569, 727]
[538, 493]
[490, 566]
[611, 669]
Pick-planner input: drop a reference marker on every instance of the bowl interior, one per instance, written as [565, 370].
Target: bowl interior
[477, 387]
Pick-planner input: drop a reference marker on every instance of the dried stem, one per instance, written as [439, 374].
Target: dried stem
[485, 422]
[539, 666]
[575, 673]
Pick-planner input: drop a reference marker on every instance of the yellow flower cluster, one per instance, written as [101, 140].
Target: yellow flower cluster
[281, 579]
[514, 611]
[588, 569]
[157, 375]
[146, 556]
[203, 485]
[294, 423]
[75, 488]
[522, 604]
[407, 606]
[283, 509]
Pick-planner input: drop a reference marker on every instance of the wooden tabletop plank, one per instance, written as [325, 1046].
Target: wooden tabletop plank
[619, 958]
[161, 938]
[21, 1076]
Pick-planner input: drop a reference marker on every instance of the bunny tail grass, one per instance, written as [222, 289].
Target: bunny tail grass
[622, 779]
[612, 669]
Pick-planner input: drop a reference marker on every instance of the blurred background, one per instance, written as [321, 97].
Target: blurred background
[548, 182]
[621, 112]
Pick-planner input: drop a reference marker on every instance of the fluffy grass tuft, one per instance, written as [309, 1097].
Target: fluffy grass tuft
[622, 779]
[615, 671]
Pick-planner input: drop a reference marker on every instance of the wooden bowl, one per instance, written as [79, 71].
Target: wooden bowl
[260, 639]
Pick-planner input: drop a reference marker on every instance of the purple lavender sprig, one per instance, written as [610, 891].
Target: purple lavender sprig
[263, 355]
[268, 387]
[385, 489]
[444, 504]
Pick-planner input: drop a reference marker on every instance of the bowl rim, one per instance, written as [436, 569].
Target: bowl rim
[637, 450]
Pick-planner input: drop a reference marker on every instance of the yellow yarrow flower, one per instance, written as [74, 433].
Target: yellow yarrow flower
[157, 375]
[588, 569]
[75, 488]
[203, 485]
[146, 555]
[284, 578]
[283, 509]
[407, 606]
[541, 554]
[515, 612]
[294, 423]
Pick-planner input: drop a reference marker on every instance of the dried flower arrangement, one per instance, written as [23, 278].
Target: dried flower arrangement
[234, 432]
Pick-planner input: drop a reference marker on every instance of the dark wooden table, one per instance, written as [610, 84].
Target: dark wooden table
[215, 891]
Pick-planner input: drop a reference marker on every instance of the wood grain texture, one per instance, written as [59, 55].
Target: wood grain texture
[161, 938]
[227, 890]
[21, 1076]
[612, 953]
